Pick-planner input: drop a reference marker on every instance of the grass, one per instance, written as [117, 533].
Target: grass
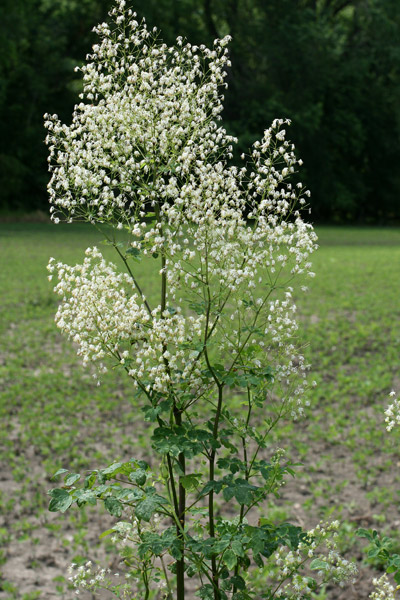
[53, 414]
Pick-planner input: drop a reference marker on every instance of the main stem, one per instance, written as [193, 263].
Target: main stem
[180, 564]
[247, 471]
[211, 518]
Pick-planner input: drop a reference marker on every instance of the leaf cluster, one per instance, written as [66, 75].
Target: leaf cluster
[380, 548]
[106, 485]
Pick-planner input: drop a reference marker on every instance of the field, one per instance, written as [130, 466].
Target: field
[53, 414]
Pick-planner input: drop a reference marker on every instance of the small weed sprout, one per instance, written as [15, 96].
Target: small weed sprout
[215, 359]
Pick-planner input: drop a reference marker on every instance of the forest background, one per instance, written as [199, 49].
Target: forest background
[332, 66]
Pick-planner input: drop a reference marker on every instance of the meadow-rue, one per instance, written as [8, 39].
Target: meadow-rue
[146, 158]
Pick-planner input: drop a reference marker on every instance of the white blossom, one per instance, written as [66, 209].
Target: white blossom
[319, 545]
[146, 137]
[392, 413]
[384, 590]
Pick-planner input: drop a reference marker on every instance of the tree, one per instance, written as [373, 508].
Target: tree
[332, 66]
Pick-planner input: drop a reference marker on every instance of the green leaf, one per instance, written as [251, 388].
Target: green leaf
[238, 582]
[142, 464]
[243, 494]
[90, 480]
[220, 545]
[147, 507]
[395, 560]
[215, 486]
[128, 495]
[242, 595]
[234, 464]
[59, 472]
[241, 489]
[175, 549]
[134, 253]
[113, 506]
[206, 592]
[230, 559]
[177, 440]
[61, 500]
[139, 476]
[70, 480]
[228, 493]
[190, 482]
[237, 548]
[106, 533]
[397, 578]
[112, 469]
[151, 412]
[318, 565]
[84, 496]
[365, 533]
[258, 560]
[152, 542]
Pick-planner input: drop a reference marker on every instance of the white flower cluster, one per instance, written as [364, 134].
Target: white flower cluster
[384, 590]
[148, 106]
[92, 578]
[392, 413]
[146, 139]
[97, 311]
[125, 530]
[127, 535]
[87, 577]
[101, 313]
[333, 567]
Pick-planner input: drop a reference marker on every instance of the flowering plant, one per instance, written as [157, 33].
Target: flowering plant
[216, 360]
[380, 547]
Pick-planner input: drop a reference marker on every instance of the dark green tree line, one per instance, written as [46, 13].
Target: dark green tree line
[332, 66]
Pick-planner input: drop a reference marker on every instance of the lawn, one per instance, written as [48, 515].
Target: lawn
[53, 414]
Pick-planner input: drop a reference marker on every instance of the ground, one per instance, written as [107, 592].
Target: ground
[54, 415]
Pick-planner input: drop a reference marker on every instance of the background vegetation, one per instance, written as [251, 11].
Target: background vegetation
[332, 66]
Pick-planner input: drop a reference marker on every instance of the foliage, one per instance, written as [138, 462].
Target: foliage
[381, 549]
[41, 42]
[330, 66]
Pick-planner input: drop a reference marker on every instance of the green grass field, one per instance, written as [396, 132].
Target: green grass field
[53, 414]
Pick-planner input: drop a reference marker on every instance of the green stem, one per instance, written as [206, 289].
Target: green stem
[169, 595]
[135, 282]
[211, 517]
[181, 501]
[133, 279]
[171, 478]
[247, 472]
[180, 565]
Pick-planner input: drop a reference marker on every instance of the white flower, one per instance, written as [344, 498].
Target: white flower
[384, 590]
[147, 136]
[392, 413]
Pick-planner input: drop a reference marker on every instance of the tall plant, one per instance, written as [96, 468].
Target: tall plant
[215, 360]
